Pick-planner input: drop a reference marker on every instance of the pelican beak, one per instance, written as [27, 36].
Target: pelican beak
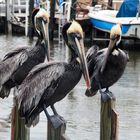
[112, 43]
[43, 30]
[81, 54]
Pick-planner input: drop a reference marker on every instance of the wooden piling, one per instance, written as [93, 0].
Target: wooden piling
[56, 133]
[94, 2]
[108, 121]
[18, 129]
[110, 3]
[8, 26]
[52, 19]
[30, 24]
[73, 10]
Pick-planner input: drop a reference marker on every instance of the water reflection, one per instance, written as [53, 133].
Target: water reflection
[81, 113]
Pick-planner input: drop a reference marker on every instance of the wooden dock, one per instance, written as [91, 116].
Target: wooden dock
[15, 13]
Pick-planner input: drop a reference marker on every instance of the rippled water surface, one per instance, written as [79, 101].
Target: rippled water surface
[81, 113]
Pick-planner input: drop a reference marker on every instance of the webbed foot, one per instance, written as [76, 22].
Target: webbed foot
[107, 95]
[57, 121]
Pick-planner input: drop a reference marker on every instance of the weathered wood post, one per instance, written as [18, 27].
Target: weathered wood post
[8, 25]
[30, 24]
[108, 121]
[73, 10]
[52, 19]
[94, 2]
[18, 129]
[110, 4]
[56, 133]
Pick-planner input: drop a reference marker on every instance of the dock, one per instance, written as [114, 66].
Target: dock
[17, 13]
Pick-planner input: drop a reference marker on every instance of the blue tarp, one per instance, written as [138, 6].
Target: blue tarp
[128, 8]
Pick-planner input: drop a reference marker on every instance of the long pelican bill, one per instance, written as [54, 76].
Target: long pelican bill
[45, 33]
[41, 24]
[81, 53]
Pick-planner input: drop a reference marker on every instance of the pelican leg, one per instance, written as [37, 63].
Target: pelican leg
[46, 112]
[55, 119]
[60, 119]
[104, 94]
[54, 110]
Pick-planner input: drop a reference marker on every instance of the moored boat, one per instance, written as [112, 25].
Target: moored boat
[127, 16]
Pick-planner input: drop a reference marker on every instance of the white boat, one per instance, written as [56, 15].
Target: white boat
[105, 19]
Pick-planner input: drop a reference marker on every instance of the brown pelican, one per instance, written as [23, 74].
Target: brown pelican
[49, 83]
[107, 65]
[16, 64]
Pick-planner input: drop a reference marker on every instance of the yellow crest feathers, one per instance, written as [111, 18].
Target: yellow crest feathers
[43, 13]
[116, 30]
[75, 27]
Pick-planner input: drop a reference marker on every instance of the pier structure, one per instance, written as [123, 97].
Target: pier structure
[16, 12]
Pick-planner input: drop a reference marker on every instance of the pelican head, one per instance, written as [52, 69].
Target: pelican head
[115, 33]
[75, 42]
[40, 19]
[115, 38]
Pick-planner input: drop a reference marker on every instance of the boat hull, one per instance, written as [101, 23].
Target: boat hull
[105, 19]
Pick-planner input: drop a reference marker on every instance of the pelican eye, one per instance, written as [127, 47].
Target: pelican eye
[45, 20]
[78, 36]
[118, 36]
[42, 19]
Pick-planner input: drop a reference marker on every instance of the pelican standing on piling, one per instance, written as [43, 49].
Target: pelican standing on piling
[107, 65]
[49, 83]
[16, 64]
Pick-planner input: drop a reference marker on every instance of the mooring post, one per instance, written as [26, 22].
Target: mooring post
[94, 2]
[52, 19]
[8, 18]
[108, 121]
[73, 10]
[18, 129]
[30, 24]
[110, 4]
[56, 133]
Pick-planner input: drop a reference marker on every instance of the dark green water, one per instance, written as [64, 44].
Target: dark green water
[81, 113]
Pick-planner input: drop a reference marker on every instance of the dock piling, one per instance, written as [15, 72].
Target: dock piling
[52, 19]
[73, 10]
[108, 121]
[8, 18]
[18, 129]
[30, 24]
[56, 133]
